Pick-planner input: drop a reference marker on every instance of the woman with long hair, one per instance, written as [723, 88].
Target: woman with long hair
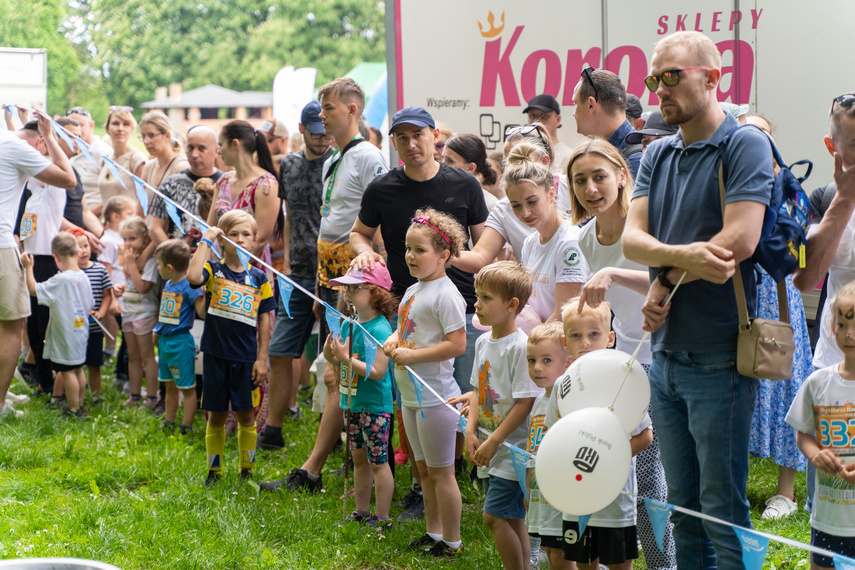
[120, 126]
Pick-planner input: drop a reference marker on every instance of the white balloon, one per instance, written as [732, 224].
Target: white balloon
[594, 379]
[583, 461]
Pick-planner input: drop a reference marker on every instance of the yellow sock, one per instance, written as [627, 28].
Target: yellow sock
[215, 443]
[247, 438]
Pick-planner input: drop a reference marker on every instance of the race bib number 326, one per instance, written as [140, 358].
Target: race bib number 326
[234, 301]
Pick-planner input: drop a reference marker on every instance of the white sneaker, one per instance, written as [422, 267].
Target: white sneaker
[16, 399]
[779, 507]
[8, 410]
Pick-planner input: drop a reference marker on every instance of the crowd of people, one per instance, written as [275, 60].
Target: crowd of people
[490, 274]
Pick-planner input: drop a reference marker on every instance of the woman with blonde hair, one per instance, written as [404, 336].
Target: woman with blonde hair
[164, 146]
[120, 127]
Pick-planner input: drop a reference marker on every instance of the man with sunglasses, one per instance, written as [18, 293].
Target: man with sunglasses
[702, 407]
[300, 186]
[545, 110]
[88, 171]
[600, 111]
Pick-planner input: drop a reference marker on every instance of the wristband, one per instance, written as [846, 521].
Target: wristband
[207, 242]
[662, 276]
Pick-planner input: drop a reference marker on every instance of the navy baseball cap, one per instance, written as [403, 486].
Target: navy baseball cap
[309, 118]
[412, 116]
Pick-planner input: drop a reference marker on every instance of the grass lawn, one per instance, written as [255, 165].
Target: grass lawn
[117, 489]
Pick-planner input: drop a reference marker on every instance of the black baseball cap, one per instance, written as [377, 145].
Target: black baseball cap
[654, 127]
[543, 102]
[412, 116]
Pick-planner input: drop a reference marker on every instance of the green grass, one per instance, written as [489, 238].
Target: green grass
[115, 488]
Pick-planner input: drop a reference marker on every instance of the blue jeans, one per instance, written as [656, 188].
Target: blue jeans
[703, 410]
[463, 363]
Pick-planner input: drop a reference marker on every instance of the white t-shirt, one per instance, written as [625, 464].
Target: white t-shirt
[826, 402]
[113, 241]
[626, 303]
[42, 217]
[69, 296]
[18, 161]
[503, 220]
[557, 261]
[840, 272]
[500, 374]
[429, 311]
[136, 305]
[359, 166]
[542, 518]
[90, 172]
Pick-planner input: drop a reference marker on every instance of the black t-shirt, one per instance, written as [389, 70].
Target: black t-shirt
[390, 201]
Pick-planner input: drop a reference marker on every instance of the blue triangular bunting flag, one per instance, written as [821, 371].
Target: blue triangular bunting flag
[285, 289]
[172, 210]
[583, 524]
[214, 249]
[85, 149]
[753, 548]
[463, 423]
[332, 317]
[418, 386]
[520, 461]
[139, 186]
[245, 259]
[658, 513]
[115, 172]
[62, 134]
[843, 563]
[370, 352]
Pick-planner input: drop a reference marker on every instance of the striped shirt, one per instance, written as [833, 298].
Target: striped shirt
[100, 282]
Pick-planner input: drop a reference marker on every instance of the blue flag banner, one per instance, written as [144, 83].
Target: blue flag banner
[115, 172]
[139, 186]
[658, 513]
[463, 424]
[370, 352]
[285, 289]
[753, 548]
[245, 260]
[174, 215]
[843, 563]
[583, 524]
[214, 249]
[333, 324]
[418, 385]
[520, 461]
[85, 149]
[62, 134]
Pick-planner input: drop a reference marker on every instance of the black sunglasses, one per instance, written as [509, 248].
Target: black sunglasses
[586, 73]
[846, 101]
[525, 130]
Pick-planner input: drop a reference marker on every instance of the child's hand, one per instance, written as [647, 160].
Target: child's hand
[391, 344]
[26, 260]
[827, 461]
[403, 356]
[461, 399]
[485, 453]
[212, 233]
[118, 291]
[339, 349]
[259, 372]
[471, 445]
[328, 351]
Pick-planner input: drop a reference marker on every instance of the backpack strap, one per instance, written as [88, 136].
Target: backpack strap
[630, 150]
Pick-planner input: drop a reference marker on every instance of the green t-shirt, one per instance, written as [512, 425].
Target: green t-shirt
[367, 395]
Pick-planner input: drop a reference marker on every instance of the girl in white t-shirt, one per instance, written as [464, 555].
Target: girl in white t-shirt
[116, 210]
[431, 334]
[552, 253]
[139, 311]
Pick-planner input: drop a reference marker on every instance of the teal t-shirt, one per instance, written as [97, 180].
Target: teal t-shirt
[367, 395]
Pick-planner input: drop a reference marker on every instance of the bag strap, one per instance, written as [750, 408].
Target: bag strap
[739, 287]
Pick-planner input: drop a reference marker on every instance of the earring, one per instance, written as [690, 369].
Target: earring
[621, 186]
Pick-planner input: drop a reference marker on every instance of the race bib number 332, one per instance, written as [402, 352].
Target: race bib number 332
[234, 301]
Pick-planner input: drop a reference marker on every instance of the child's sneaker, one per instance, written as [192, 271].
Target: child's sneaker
[442, 550]
[133, 400]
[422, 543]
[378, 524]
[212, 479]
[185, 430]
[168, 426]
[16, 398]
[81, 413]
[356, 516]
[245, 474]
[150, 402]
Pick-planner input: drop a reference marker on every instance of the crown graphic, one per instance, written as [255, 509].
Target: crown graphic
[493, 31]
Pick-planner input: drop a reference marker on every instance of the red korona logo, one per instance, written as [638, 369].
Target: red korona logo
[520, 85]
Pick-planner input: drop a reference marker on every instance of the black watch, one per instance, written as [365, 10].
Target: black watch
[662, 276]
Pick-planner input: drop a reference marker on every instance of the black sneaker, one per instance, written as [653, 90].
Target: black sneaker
[272, 485]
[245, 474]
[270, 440]
[28, 373]
[415, 511]
[442, 550]
[408, 499]
[422, 543]
[299, 479]
[159, 408]
[212, 479]
[295, 414]
[81, 413]
[185, 430]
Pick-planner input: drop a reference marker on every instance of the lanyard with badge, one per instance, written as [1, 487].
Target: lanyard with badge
[330, 177]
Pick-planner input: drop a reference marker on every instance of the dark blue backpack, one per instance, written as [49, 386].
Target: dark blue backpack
[788, 216]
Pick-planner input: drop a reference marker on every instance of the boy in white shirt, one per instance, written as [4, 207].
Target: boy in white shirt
[501, 403]
[68, 294]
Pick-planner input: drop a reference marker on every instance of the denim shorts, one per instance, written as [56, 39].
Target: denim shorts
[505, 499]
[290, 335]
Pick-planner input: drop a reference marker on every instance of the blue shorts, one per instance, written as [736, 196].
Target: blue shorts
[95, 348]
[225, 382]
[290, 335]
[840, 544]
[505, 499]
[177, 359]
